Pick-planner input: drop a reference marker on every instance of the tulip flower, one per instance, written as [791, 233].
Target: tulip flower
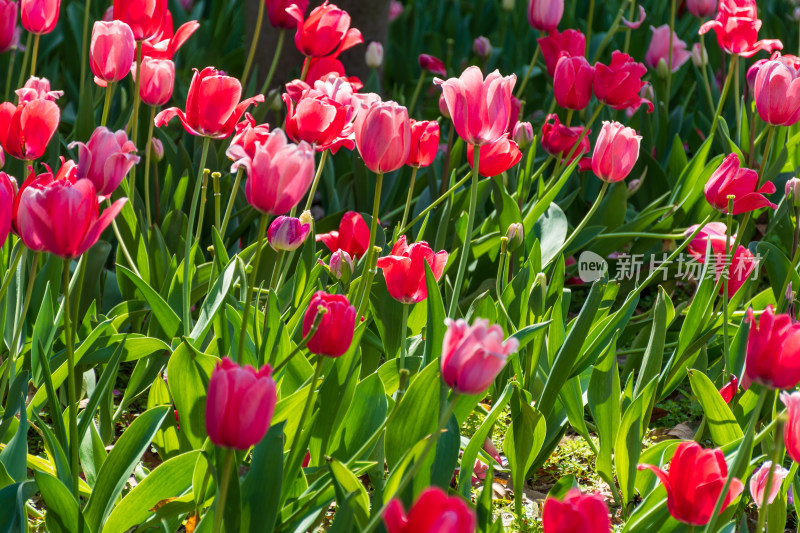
[145, 17]
[758, 483]
[424, 143]
[700, 56]
[523, 134]
[341, 266]
[166, 42]
[570, 43]
[777, 93]
[544, 15]
[694, 482]
[374, 55]
[383, 136]
[106, 159]
[157, 81]
[326, 31]
[472, 356]
[212, 105]
[559, 140]
[572, 82]
[616, 151]
[279, 174]
[740, 266]
[8, 24]
[659, 49]
[320, 68]
[279, 18]
[62, 215]
[618, 84]
[39, 16]
[404, 270]
[335, 332]
[701, 8]
[317, 120]
[515, 235]
[791, 432]
[773, 350]
[481, 109]
[730, 179]
[395, 10]
[482, 47]
[239, 405]
[728, 391]
[288, 233]
[8, 190]
[352, 236]
[433, 512]
[37, 89]
[638, 24]
[495, 158]
[736, 26]
[26, 129]
[111, 51]
[432, 64]
[243, 144]
[576, 512]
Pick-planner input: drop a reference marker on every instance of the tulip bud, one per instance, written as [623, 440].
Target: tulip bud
[482, 47]
[539, 294]
[523, 134]
[341, 266]
[515, 236]
[699, 55]
[633, 186]
[374, 56]
[796, 14]
[443, 107]
[508, 5]
[287, 233]
[793, 191]
[157, 148]
[662, 69]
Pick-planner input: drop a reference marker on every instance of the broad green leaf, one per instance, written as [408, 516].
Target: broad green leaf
[349, 483]
[720, 420]
[63, 513]
[603, 399]
[169, 321]
[188, 373]
[628, 445]
[434, 335]
[261, 488]
[523, 440]
[214, 300]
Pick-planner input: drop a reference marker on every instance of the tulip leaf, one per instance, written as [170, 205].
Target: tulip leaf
[169, 321]
[12, 500]
[651, 363]
[216, 297]
[523, 440]
[188, 373]
[345, 483]
[362, 419]
[603, 399]
[628, 444]
[720, 420]
[434, 335]
[63, 513]
[261, 489]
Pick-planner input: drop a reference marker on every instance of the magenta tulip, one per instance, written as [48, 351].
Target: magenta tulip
[777, 93]
[773, 350]
[615, 152]
[106, 159]
[111, 51]
[335, 332]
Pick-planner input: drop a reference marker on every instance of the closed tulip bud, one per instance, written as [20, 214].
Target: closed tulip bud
[287, 233]
[341, 266]
[544, 15]
[8, 24]
[662, 70]
[701, 8]
[326, 31]
[694, 482]
[404, 270]
[158, 81]
[424, 143]
[482, 47]
[495, 158]
[699, 55]
[472, 356]
[8, 191]
[793, 191]
[239, 405]
[26, 129]
[791, 433]
[374, 56]
[433, 512]
[741, 183]
[106, 159]
[145, 17]
[395, 10]
[772, 358]
[523, 134]
[39, 16]
[539, 294]
[335, 332]
[158, 149]
[758, 483]
[508, 5]
[576, 512]
[352, 235]
[111, 51]
[572, 82]
[515, 235]
[432, 64]
[777, 93]
[383, 136]
[443, 107]
[615, 152]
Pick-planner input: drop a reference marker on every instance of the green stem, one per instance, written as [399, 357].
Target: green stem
[274, 64]
[311, 332]
[704, 70]
[187, 282]
[14, 351]
[417, 90]
[262, 231]
[498, 284]
[10, 72]
[464, 259]
[777, 448]
[409, 198]
[439, 200]
[72, 396]
[725, 89]
[315, 183]
[107, 104]
[24, 67]
[202, 207]
[304, 73]
[216, 176]
[669, 57]
[34, 54]
[725, 298]
[589, 21]
[611, 32]
[631, 13]
[403, 349]
[525, 79]
[121, 243]
[254, 43]
[135, 120]
[364, 288]
[293, 463]
[17, 257]
[583, 222]
[737, 101]
[765, 159]
[273, 288]
[223, 482]
[229, 209]
[85, 44]
[147, 153]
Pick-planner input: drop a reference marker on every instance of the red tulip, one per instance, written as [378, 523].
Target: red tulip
[495, 158]
[335, 332]
[321, 68]
[404, 270]
[145, 17]
[728, 391]
[383, 136]
[326, 31]
[544, 15]
[37, 89]
[694, 482]
[559, 140]
[616, 151]
[26, 129]
[62, 215]
[352, 237]
[773, 350]
[279, 174]
[111, 51]
[166, 42]
[432, 64]
[736, 26]
[8, 24]
[317, 120]
[158, 81]
[8, 190]
[777, 93]
[730, 179]
[586, 513]
[39, 16]
[758, 483]
[659, 49]
[481, 109]
[619, 83]
[572, 82]
[279, 18]
[701, 8]
[239, 405]
[433, 512]
[212, 106]
[570, 42]
[791, 432]
[243, 144]
[106, 159]
[288, 233]
[424, 143]
[472, 356]
[740, 266]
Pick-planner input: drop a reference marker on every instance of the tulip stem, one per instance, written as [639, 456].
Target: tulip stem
[589, 21]
[85, 44]
[202, 208]
[403, 350]
[583, 222]
[704, 70]
[72, 396]
[262, 231]
[314, 184]
[528, 72]
[364, 286]
[24, 66]
[777, 448]
[273, 287]
[303, 343]
[10, 72]
[631, 13]
[304, 72]
[223, 482]
[147, 151]
[274, 64]
[18, 326]
[417, 90]
[611, 32]
[435, 203]
[500, 281]
[725, 90]
[725, 298]
[107, 105]
[134, 124]
[464, 259]
[229, 209]
[254, 43]
[121, 243]
[409, 198]
[187, 282]
[765, 158]
[34, 54]
[669, 57]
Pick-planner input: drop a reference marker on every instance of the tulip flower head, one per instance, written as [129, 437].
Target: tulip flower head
[544, 15]
[791, 432]
[701, 8]
[559, 140]
[319, 120]
[432, 64]
[616, 151]
[777, 93]
[572, 82]
[773, 350]
[404, 270]
[279, 18]
[742, 183]
[8, 25]
[145, 17]
[424, 143]
[106, 159]
[8, 191]
[341, 266]
[570, 43]
[336, 327]
[39, 16]
[374, 55]
[111, 51]
[166, 42]
[37, 89]
[619, 83]
[352, 236]
[740, 266]
[495, 158]
[243, 144]
[758, 483]
[287, 233]
[433, 512]
[27, 128]
[326, 31]
[383, 136]
[736, 26]
[587, 513]
[523, 134]
[158, 81]
[659, 49]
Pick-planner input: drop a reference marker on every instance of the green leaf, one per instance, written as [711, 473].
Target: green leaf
[348, 483]
[434, 336]
[720, 420]
[261, 489]
[188, 373]
[651, 364]
[551, 231]
[214, 300]
[100, 391]
[13, 455]
[603, 399]
[363, 417]
[523, 439]
[63, 513]
[169, 321]
[628, 445]
[12, 500]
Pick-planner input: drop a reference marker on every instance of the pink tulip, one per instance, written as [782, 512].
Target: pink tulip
[730, 179]
[37, 89]
[736, 26]
[481, 109]
[158, 81]
[701, 8]
[166, 42]
[777, 93]
[279, 174]
[773, 350]
[758, 483]
[383, 136]
[111, 51]
[8, 190]
[433, 512]
[615, 152]
[26, 129]
[544, 15]
[106, 159]
[586, 513]
[638, 24]
[472, 356]
[570, 42]
[288, 233]
[335, 331]
[243, 145]
[523, 134]
[740, 266]
[659, 49]
[432, 64]
[8, 24]
[39, 16]
[279, 18]
[572, 82]
[145, 17]
[791, 432]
